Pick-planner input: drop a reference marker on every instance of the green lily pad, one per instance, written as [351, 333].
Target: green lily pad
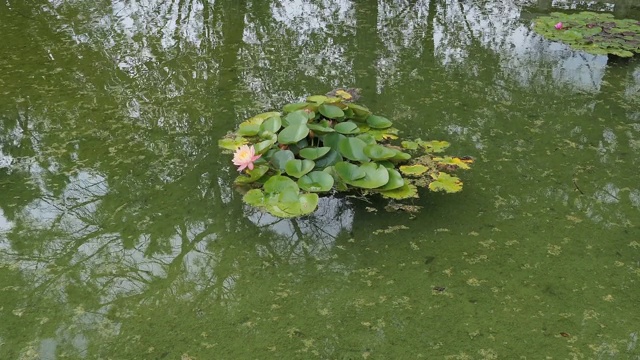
[395, 181]
[331, 111]
[280, 158]
[258, 119]
[316, 181]
[272, 124]
[331, 158]
[378, 122]
[254, 197]
[294, 106]
[406, 191]
[367, 138]
[349, 171]
[298, 117]
[278, 184]
[413, 169]
[313, 153]
[353, 149]
[379, 152]
[317, 99]
[320, 128]
[248, 130]
[360, 112]
[333, 140]
[347, 128]
[297, 168]
[445, 182]
[400, 156]
[263, 146]
[232, 144]
[293, 133]
[375, 176]
[384, 134]
[254, 175]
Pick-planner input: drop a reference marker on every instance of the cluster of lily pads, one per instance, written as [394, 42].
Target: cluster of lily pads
[327, 144]
[595, 33]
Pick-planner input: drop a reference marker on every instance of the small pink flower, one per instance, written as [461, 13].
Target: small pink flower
[559, 26]
[244, 156]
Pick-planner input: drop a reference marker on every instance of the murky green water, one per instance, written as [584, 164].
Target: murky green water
[121, 238]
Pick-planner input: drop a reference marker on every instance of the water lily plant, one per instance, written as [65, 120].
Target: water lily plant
[595, 33]
[327, 144]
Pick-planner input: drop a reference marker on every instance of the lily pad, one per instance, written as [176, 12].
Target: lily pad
[349, 171]
[347, 128]
[254, 175]
[278, 184]
[298, 117]
[280, 158]
[272, 124]
[293, 133]
[434, 146]
[254, 197]
[379, 152]
[445, 182]
[395, 181]
[413, 169]
[331, 158]
[375, 176]
[353, 149]
[331, 111]
[316, 181]
[406, 191]
[248, 130]
[313, 153]
[452, 161]
[378, 122]
[298, 168]
[232, 144]
[294, 106]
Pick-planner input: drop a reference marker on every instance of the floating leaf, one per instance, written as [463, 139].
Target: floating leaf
[445, 182]
[263, 146]
[395, 181]
[359, 111]
[294, 106]
[347, 128]
[331, 158]
[317, 99]
[409, 145]
[400, 156]
[314, 152]
[295, 118]
[248, 130]
[232, 144]
[406, 191]
[316, 181]
[349, 171]
[378, 122]
[332, 140]
[320, 128]
[279, 183]
[258, 119]
[434, 146]
[413, 169]
[375, 176]
[280, 158]
[293, 133]
[254, 197]
[384, 134]
[297, 168]
[254, 175]
[330, 111]
[353, 149]
[379, 152]
[272, 124]
[454, 161]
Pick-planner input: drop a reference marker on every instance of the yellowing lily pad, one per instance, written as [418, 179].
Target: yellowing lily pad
[448, 160]
[445, 182]
[413, 169]
[404, 192]
[434, 146]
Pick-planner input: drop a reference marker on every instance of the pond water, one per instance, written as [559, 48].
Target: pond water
[121, 236]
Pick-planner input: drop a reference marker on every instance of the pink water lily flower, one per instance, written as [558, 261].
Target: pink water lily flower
[244, 156]
[559, 25]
